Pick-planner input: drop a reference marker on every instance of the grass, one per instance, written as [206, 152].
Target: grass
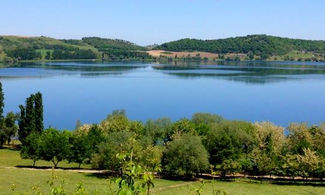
[26, 179]
[11, 158]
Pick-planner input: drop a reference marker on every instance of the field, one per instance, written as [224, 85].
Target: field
[157, 53]
[30, 180]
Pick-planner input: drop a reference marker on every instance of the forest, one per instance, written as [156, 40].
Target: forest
[262, 46]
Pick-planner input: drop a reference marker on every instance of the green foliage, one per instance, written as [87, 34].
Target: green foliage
[118, 121]
[229, 140]
[158, 130]
[54, 145]
[183, 126]
[38, 112]
[259, 45]
[9, 127]
[113, 49]
[2, 103]
[116, 143]
[185, 156]
[299, 138]
[31, 149]
[31, 116]
[80, 149]
[23, 48]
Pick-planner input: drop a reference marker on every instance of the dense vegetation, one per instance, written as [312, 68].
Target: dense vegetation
[43, 48]
[117, 49]
[13, 49]
[261, 46]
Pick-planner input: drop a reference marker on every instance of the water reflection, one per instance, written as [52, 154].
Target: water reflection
[84, 69]
[248, 72]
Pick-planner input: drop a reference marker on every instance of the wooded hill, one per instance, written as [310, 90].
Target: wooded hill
[13, 49]
[259, 47]
[263, 46]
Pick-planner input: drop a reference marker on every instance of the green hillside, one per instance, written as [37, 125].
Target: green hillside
[39, 48]
[117, 49]
[14, 49]
[263, 46]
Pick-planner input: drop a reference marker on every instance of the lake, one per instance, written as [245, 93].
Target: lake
[280, 92]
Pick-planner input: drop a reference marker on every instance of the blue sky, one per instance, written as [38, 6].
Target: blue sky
[155, 21]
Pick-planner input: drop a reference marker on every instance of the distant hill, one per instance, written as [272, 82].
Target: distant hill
[263, 46]
[15, 48]
[117, 49]
[259, 47]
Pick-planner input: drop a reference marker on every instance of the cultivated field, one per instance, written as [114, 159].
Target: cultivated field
[157, 53]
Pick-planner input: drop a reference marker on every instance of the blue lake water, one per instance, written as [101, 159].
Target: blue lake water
[280, 92]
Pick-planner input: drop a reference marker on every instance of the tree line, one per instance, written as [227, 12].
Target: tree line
[203, 144]
[263, 46]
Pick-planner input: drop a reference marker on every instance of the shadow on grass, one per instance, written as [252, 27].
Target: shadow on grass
[11, 147]
[49, 167]
[274, 181]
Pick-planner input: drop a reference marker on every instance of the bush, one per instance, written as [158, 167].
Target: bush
[185, 156]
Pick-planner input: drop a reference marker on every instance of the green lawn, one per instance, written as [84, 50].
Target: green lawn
[11, 158]
[25, 180]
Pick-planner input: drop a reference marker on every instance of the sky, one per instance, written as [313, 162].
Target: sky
[148, 22]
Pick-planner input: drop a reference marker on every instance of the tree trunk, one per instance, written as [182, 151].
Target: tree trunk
[148, 192]
[55, 163]
[34, 162]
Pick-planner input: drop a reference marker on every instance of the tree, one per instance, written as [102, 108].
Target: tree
[10, 127]
[206, 118]
[22, 132]
[31, 116]
[117, 143]
[48, 55]
[2, 104]
[54, 145]
[95, 138]
[2, 133]
[267, 156]
[31, 148]
[203, 121]
[158, 130]
[38, 112]
[185, 156]
[299, 138]
[117, 121]
[229, 140]
[183, 126]
[80, 149]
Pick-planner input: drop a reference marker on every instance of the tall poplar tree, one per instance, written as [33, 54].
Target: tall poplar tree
[30, 114]
[2, 104]
[2, 133]
[38, 113]
[22, 133]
